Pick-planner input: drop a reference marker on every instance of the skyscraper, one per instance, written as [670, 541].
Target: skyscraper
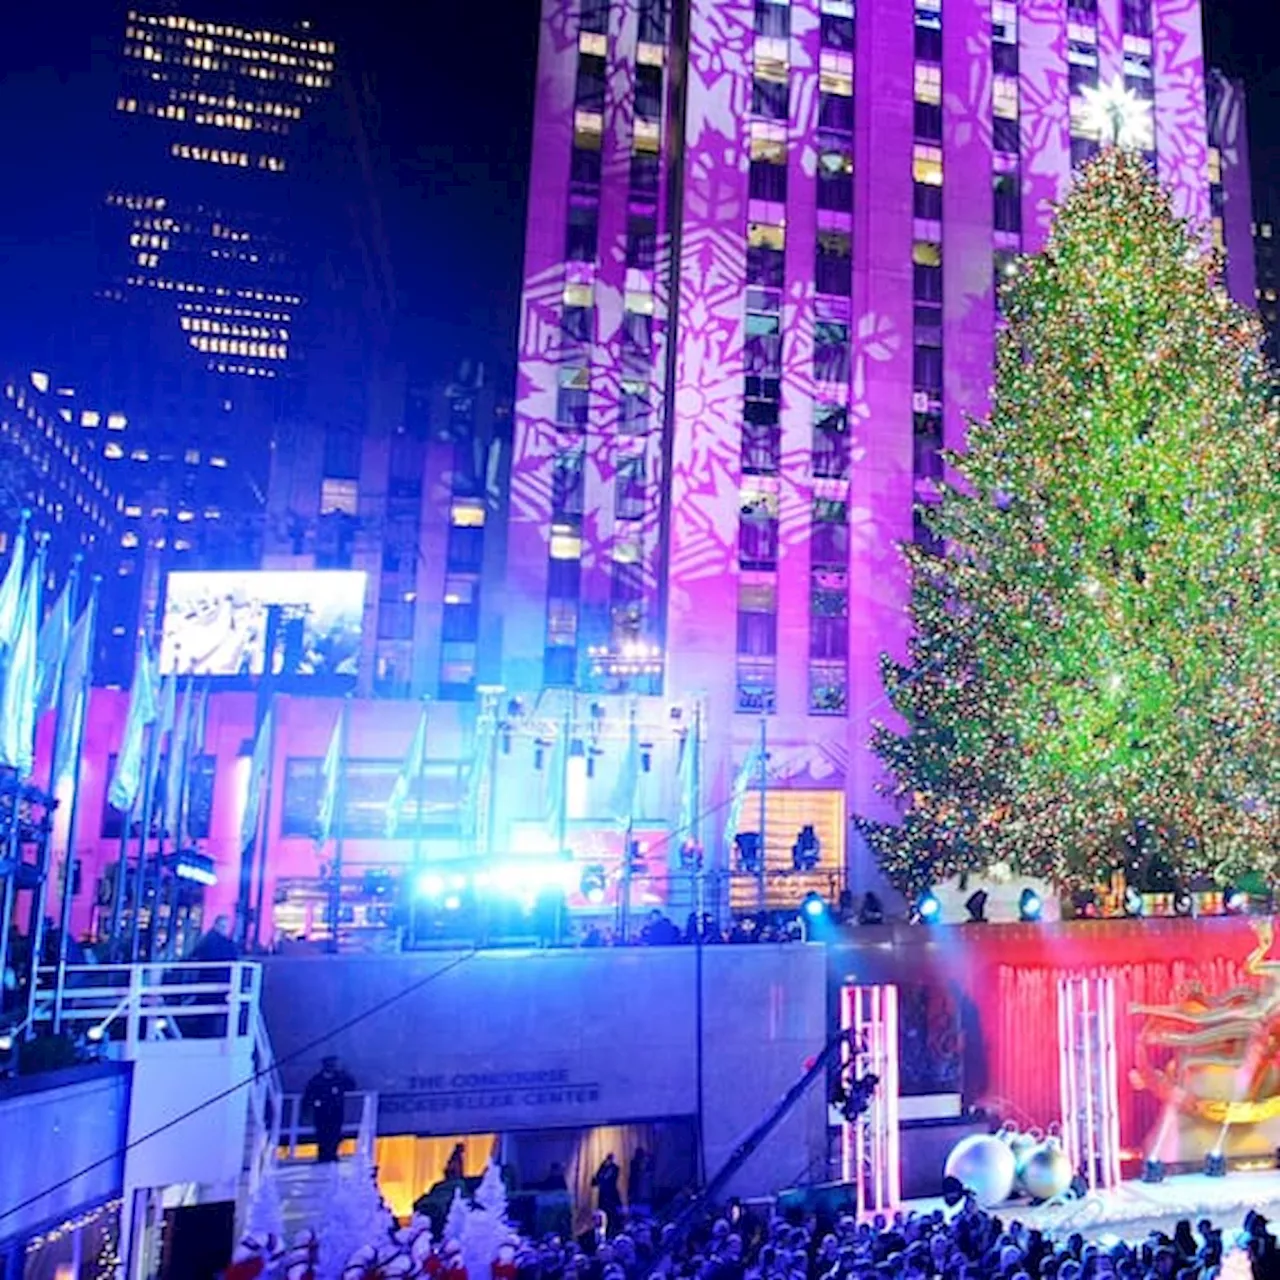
[208, 247]
[760, 296]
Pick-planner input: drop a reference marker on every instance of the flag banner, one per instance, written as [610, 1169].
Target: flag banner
[258, 767]
[410, 772]
[74, 695]
[688, 779]
[166, 706]
[329, 771]
[748, 773]
[624, 792]
[481, 754]
[123, 792]
[556, 799]
[18, 700]
[51, 649]
[11, 589]
[175, 774]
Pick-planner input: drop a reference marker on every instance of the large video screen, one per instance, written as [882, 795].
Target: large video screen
[220, 623]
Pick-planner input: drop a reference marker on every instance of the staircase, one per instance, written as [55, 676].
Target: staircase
[305, 1189]
[279, 1145]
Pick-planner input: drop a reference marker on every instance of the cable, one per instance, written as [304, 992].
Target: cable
[246, 1082]
[337, 1030]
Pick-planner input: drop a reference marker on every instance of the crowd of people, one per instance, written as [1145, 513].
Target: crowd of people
[961, 1243]
[659, 930]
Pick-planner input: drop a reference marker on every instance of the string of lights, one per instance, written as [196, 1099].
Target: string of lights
[1105, 599]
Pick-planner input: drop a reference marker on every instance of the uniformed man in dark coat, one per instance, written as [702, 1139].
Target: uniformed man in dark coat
[325, 1099]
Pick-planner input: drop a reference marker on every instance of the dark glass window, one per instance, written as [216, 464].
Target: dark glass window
[833, 273]
[642, 242]
[769, 99]
[589, 90]
[928, 121]
[835, 111]
[773, 19]
[1004, 135]
[927, 201]
[768, 180]
[583, 232]
[837, 32]
[835, 178]
[831, 351]
[649, 92]
[1008, 202]
[629, 488]
[567, 487]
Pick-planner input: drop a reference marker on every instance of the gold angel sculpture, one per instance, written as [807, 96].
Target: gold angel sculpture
[1216, 1058]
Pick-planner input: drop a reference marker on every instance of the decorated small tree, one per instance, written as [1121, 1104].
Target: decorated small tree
[1097, 620]
[455, 1223]
[355, 1218]
[486, 1230]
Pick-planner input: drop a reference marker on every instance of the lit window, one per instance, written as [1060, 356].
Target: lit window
[764, 235]
[90, 418]
[216, 461]
[116, 422]
[565, 543]
[133, 512]
[928, 83]
[467, 515]
[192, 456]
[113, 451]
[1005, 97]
[577, 295]
[339, 496]
[1215, 167]
[835, 75]
[926, 165]
[129, 539]
[140, 455]
[39, 380]
[926, 253]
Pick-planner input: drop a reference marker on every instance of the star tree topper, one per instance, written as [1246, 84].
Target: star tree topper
[1119, 116]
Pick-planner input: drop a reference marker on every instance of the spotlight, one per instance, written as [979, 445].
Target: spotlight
[814, 906]
[1215, 1164]
[872, 911]
[593, 884]
[6, 1041]
[976, 906]
[1153, 1171]
[806, 850]
[1183, 903]
[1234, 901]
[452, 902]
[1029, 906]
[1133, 902]
[927, 908]
[94, 1034]
[430, 884]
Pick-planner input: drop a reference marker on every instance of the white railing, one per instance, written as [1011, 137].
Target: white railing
[266, 1106]
[359, 1121]
[126, 1005]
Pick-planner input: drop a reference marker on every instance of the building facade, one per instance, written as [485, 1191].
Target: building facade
[762, 250]
[51, 471]
[1268, 272]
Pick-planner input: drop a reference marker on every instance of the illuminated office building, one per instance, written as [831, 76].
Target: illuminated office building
[209, 239]
[1266, 231]
[50, 469]
[759, 299]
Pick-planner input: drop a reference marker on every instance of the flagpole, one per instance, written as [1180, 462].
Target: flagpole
[420, 789]
[69, 862]
[624, 912]
[169, 782]
[764, 786]
[263, 833]
[340, 803]
[139, 879]
[10, 885]
[35, 929]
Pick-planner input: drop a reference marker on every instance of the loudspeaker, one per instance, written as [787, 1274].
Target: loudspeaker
[197, 1241]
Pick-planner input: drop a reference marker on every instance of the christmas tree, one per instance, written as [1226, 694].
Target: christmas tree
[1097, 628]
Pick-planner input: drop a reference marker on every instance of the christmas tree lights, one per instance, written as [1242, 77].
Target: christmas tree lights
[1097, 636]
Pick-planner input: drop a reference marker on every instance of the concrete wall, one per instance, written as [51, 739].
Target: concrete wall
[509, 1041]
[63, 1144]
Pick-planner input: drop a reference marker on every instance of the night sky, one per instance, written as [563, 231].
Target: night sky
[454, 84]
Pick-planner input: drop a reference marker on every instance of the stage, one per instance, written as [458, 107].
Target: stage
[1136, 1208]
